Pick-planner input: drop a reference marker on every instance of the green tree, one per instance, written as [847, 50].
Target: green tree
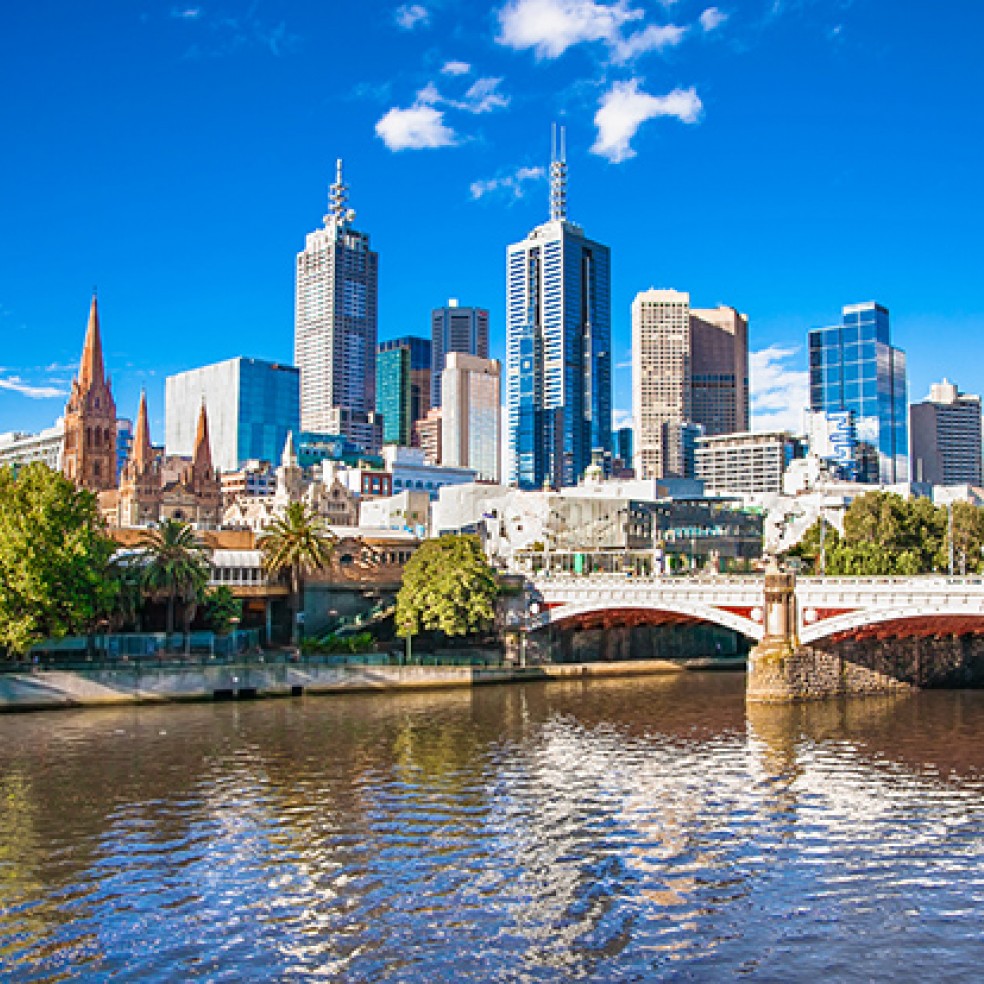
[448, 585]
[222, 608]
[54, 555]
[175, 567]
[296, 543]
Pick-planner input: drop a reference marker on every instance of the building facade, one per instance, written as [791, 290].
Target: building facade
[719, 370]
[854, 366]
[455, 329]
[393, 394]
[252, 406]
[470, 425]
[335, 319]
[429, 435]
[48, 446]
[946, 437]
[420, 374]
[741, 464]
[558, 348]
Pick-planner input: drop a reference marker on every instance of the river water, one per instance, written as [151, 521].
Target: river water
[633, 830]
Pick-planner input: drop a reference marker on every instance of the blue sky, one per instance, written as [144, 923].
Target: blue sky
[783, 156]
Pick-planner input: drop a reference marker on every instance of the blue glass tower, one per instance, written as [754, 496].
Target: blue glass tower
[854, 367]
[558, 348]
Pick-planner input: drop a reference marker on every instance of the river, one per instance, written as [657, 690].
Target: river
[640, 829]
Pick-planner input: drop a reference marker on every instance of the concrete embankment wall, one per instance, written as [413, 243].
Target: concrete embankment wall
[130, 684]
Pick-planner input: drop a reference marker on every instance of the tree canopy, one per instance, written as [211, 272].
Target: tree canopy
[54, 557]
[176, 566]
[448, 585]
[885, 534]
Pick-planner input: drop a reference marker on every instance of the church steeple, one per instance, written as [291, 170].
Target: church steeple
[91, 369]
[202, 457]
[142, 453]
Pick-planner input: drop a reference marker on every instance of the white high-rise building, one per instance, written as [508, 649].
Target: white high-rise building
[470, 415]
[335, 320]
[946, 437]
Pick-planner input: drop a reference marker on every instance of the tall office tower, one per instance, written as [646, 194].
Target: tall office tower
[719, 370]
[252, 407]
[558, 347]
[661, 390]
[455, 329]
[470, 415]
[335, 319]
[420, 374]
[393, 394]
[853, 366]
[946, 437]
[89, 455]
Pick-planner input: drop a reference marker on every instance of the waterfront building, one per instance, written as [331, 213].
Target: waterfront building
[689, 378]
[89, 455]
[410, 472]
[740, 464]
[252, 406]
[407, 510]
[393, 394]
[946, 437]
[18, 448]
[558, 347]
[254, 479]
[335, 326]
[313, 449]
[429, 435]
[470, 414]
[854, 367]
[455, 329]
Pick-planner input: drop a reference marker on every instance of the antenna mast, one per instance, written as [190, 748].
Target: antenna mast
[558, 174]
[338, 199]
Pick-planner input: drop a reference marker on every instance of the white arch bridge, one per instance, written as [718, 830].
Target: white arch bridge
[875, 607]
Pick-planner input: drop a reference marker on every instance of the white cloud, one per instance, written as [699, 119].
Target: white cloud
[653, 38]
[17, 385]
[624, 109]
[410, 15]
[456, 68]
[622, 418]
[511, 184]
[779, 392]
[186, 13]
[712, 18]
[483, 96]
[550, 27]
[419, 127]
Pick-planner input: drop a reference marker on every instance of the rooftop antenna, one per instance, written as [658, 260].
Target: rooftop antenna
[338, 199]
[558, 174]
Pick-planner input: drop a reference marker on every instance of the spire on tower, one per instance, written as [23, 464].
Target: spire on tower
[288, 459]
[338, 199]
[203, 450]
[91, 370]
[142, 453]
[558, 174]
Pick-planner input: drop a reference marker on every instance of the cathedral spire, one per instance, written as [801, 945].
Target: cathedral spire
[289, 457]
[91, 370]
[203, 450]
[142, 453]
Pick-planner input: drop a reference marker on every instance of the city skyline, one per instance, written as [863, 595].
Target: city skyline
[810, 151]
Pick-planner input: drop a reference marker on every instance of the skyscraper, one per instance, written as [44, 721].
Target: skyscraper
[689, 377]
[470, 415]
[419, 350]
[853, 366]
[335, 322]
[393, 394]
[455, 329]
[558, 347]
[946, 437]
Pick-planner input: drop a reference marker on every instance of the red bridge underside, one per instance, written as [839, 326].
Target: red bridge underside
[626, 618]
[921, 627]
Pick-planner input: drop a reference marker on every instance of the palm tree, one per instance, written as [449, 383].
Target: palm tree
[296, 542]
[176, 566]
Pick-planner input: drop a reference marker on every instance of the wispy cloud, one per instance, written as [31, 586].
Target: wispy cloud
[550, 27]
[411, 15]
[779, 392]
[17, 385]
[483, 97]
[225, 35]
[455, 68]
[656, 37]
[513, 185]
[186, 13]
[712, 18]
[621, 418]
[418, 127]
[624, 108]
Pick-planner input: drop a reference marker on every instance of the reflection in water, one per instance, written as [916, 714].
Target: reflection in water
[628, 830]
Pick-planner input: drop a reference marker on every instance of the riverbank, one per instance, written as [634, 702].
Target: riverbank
[133, 683]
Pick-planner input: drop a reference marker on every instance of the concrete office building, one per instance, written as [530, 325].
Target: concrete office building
[558, 348]
[252, 407]
[18, 448]
[455, 329]
[946, 437]
[335, 324]
[689, 378]
[854, 366]
[470, 416]
[741, 464]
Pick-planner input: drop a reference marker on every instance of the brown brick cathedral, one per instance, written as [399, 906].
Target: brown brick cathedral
[151, 487]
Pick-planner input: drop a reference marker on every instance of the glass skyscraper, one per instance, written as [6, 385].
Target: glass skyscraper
[558, 349]
[393, 394]
[854, 367]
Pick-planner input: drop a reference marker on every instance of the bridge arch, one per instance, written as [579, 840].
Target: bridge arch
[952, 619]
[557, 615]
